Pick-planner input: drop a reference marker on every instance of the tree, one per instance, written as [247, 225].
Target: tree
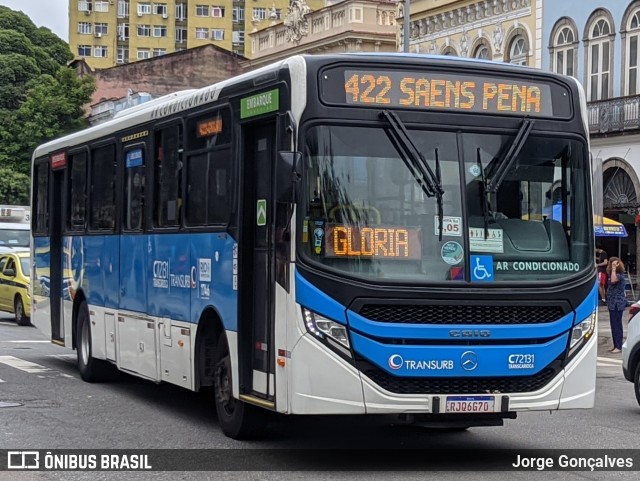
[14, 188]
[40, 98]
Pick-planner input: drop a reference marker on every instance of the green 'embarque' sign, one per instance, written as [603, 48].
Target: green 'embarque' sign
[260, 104]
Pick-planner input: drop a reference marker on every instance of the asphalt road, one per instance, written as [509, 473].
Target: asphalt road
[57, 410]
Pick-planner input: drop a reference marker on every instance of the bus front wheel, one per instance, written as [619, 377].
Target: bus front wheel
[91, 369]
[636, 382]
[237, 419]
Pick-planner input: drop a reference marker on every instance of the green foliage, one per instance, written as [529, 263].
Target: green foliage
[14, 188]
[40, 98]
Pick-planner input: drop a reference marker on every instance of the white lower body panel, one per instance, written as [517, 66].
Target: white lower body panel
[321, 382]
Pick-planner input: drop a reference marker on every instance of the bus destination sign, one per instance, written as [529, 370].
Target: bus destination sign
[397, 243]
[446, 91]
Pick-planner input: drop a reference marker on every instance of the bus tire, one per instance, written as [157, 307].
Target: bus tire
[91, 369]
[18, 308]
[237, 419]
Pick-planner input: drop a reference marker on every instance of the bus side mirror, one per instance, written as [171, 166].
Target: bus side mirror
[287, 176]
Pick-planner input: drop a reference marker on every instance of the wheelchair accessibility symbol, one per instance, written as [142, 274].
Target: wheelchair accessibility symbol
[482, 268]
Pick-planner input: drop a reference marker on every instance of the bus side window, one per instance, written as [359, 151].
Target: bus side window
[134, 190]
[168, 177]
[103, 188]
[219, 206]
[41, 198]
[76, 214]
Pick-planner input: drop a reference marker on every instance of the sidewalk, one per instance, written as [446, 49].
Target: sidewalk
[604, 332]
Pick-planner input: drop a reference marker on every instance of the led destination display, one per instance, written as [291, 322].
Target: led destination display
[446, 91]
[401, 243]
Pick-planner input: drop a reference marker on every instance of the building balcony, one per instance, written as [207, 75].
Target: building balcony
[614, 116]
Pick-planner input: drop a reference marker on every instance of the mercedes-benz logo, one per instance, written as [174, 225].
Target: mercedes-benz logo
[469, 360]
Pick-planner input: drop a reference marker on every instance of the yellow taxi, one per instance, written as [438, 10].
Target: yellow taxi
[15, 269]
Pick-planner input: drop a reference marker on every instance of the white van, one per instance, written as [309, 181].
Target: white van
[631, 350]
[15, 228]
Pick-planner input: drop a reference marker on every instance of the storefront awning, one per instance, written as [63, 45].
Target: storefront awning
[605, 227]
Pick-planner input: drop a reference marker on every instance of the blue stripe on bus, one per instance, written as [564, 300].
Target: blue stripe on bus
[459, 361]
[590, 304]
[314, 299]
[164, 275]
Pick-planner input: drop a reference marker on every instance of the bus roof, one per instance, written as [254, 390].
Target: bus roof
[185, 99]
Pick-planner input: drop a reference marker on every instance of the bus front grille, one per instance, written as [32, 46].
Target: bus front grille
[460, 385]
[461, 314]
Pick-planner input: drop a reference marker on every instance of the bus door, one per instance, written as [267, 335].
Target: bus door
[256, 261]
[55, 256]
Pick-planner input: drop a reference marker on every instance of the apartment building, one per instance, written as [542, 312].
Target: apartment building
[106, 33]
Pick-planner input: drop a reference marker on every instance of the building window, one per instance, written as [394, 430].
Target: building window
[123, 31]
[102, 28]
[123, 55]
[84, 50]
[181, 34]
[181, 11]
[160, 9]
[217, 12]
[159, 31]
[237, 36]
[483, 51]
[123, 9]
[217, 34]
[599, 59]
[633, 55]
[158, 52]
[144, 9]
[144, 30]
[259, 13]
[450, 51]
[238, 14]
[518, 49]
[202, 33]
[564, 47]
[143, 53]
[100, 51]
[84, 5]
[101, 6]
[202, 10]
[85, 28]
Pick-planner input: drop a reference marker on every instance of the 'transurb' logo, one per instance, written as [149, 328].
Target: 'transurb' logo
[395, 361]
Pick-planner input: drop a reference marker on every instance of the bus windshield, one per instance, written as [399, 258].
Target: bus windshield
[368, 214]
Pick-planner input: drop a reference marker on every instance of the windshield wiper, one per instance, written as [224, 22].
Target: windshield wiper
[430, 182]
[497, 173]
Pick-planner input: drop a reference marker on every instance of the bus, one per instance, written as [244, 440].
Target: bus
[333, 234]
[14, 228]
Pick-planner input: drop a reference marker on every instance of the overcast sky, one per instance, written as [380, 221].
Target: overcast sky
[53, 14]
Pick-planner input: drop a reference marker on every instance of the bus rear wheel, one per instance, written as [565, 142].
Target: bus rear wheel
[237, 419]
[91, 369]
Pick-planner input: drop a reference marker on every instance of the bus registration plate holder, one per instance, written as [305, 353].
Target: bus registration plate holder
[470, 404]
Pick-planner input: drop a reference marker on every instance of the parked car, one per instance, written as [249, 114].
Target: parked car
[15, 269]
[631, 350]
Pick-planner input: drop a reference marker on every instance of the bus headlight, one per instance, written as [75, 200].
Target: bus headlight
[582, 332]
[325, 329]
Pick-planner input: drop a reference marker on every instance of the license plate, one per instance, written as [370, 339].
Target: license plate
[470, 404]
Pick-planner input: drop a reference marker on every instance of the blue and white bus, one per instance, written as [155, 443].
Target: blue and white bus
[340, 234]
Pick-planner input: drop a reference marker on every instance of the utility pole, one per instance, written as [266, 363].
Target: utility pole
[405, 23]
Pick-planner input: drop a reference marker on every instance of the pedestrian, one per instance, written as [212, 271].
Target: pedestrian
[616, 301]
[602, 259]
